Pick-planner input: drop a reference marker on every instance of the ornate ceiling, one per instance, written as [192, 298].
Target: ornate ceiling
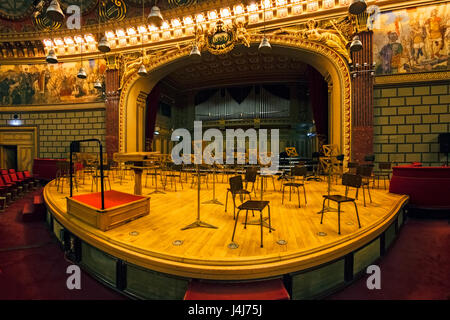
[240, 66]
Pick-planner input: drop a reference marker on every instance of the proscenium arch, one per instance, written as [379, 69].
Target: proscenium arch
[324, 59]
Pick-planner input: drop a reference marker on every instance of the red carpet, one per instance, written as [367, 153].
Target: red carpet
[32, 264]
[416, 267]
[112, 199]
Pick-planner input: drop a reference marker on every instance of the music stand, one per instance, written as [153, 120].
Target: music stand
[156, 184]
[198, 223]
[214, 200]
[328, 208]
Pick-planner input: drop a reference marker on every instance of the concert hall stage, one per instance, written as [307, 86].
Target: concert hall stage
[151, 257]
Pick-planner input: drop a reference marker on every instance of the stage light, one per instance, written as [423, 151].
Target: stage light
[59, 42]
[69, 41]
[264, 46]
[225, 12]
[212, 15]
[188, 21]
[97, 84]
[15, 121]
[142, 71]
[266, 4]
[79, 39]
[47, 42]
[200, 17]
[281, 3]
[103, 45]
[131, 31]
[238, 9]
[155, 17]
[176, 23]
[252, 7]
[89, 38]
[54, 12]
[81, 74]
[357, 7]
[312, 5]
[110, 35]
[328, 4]
[51, 57]
[120, 33]
[356, 44]
[152, 28]
[165, 25]
[142, 29]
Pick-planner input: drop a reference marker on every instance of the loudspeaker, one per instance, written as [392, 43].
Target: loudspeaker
[444, 142]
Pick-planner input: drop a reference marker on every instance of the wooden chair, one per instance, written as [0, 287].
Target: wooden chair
[250, 177]
[173, 174]
[236, 188]
[365, 171]
[383, 173]
[348, 180]
[298, 171]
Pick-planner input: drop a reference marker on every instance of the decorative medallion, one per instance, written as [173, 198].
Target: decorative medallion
[181, 3]
[15, 9]
[221, 39]
[112, 10]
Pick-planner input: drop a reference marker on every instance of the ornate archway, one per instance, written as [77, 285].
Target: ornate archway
[325, 59]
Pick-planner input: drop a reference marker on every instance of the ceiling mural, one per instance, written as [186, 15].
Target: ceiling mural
[15, 9]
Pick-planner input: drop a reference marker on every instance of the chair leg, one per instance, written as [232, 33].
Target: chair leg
[339, 218]
[261, 222]
[364, 196]
[245, 223]
[323, 209]
[298, 196]
[357, 215]
[282, 195]
[234, 206]
[368, 191]
[226, 201]
[304, 192]
[270, 225]
[235, 223]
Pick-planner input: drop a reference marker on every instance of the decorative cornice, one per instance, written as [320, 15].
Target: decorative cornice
[413, 77]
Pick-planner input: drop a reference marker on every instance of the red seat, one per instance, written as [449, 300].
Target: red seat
[257, 290]
[11, 171]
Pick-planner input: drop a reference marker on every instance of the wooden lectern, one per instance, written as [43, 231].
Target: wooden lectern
[138, 159]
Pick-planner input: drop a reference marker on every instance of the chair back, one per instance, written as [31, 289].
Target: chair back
[7, 179]
[384, 165]
[365, 170]
[351, 180]
[27, 174]
[2, 183]
[4, 171]
[20, 175]
[250, 174]
[236, 184]
[13, 177]
[299, 171]
[12, 171]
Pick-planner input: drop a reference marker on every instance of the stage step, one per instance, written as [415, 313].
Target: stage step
[28, 212]
[34, 210]
[257, 290]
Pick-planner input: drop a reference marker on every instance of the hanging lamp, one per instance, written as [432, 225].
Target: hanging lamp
[54, 12]
[51, 57]
[356, 44]
[142, 70]
[155, 17]
[81, 73]
[264, 46]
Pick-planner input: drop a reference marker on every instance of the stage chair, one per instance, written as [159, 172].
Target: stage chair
[236, 188]
[30, 176]
[204, 173]
[384, 173]
[348, 180]
[6, 191]
[297, 171]
[352, 167]
[30, 181]
[250, 177]
[174, 173]
[22, 182]
[253, 205]
[96, 177]
[365, 171]
[338, 169]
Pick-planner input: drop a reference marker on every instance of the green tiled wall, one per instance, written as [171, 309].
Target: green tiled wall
[407, 122]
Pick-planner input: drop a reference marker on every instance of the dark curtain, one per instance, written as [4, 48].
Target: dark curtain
[152, 105]
[278, 90]
[204, 95]
[318, 93]
[239, 94]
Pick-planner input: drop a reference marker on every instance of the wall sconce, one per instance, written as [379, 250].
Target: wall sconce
[357, 69]
[15, 121]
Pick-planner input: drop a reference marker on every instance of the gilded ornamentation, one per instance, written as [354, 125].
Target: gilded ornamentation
[112, 10]
[221, 39]
[287, 39]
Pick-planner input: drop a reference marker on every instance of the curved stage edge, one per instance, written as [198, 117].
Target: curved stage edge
[153, 275]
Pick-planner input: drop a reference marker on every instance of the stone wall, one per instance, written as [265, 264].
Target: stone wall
[408, 120]
[57, 129]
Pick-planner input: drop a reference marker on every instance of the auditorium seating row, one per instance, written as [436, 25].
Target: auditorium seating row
[14, 185]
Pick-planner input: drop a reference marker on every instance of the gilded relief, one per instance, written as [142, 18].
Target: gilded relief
[48, 84]
[412, 40]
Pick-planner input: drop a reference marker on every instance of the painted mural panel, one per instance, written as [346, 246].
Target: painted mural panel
[413, 40]
[49, 84]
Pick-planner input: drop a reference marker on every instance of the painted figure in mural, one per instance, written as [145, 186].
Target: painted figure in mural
[417, 42]
[435, 34]
[391, 54]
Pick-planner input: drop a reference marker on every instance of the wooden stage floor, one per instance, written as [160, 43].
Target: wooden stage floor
[204, 253]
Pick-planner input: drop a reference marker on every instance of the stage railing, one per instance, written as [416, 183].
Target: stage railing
[75, 147]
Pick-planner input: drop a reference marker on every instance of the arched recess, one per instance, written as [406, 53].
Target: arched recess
[328, 62]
